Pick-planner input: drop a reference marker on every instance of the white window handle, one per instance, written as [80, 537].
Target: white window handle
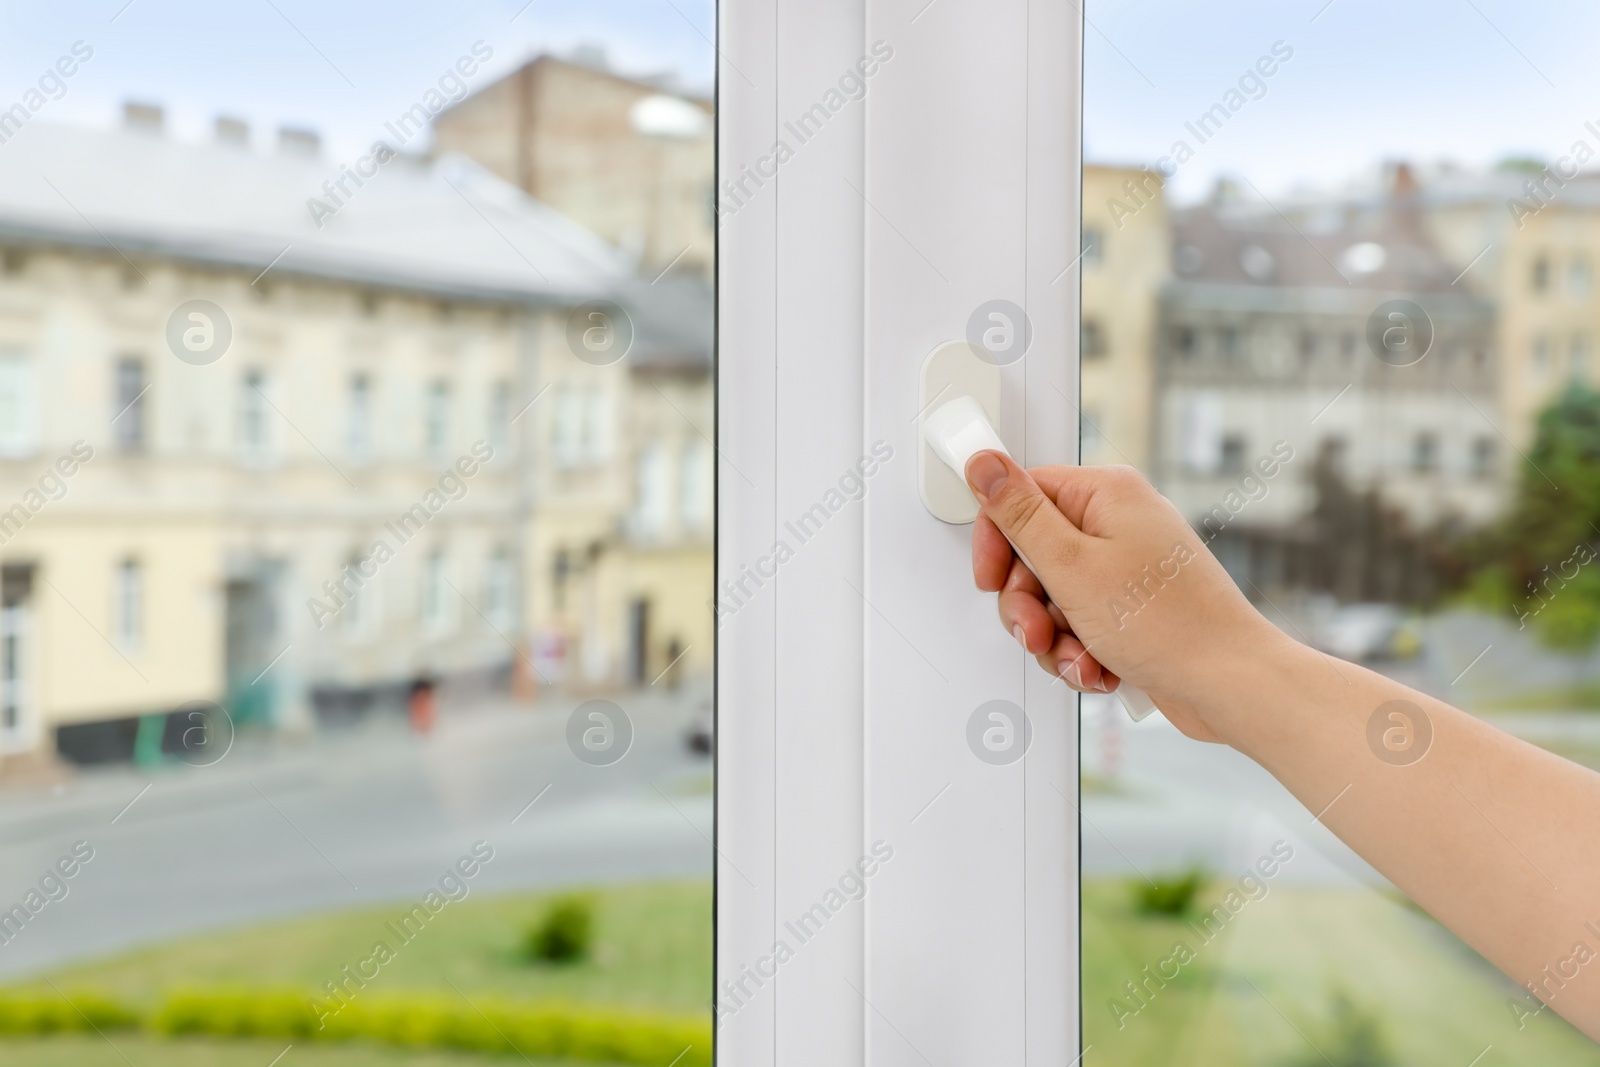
[956, 431]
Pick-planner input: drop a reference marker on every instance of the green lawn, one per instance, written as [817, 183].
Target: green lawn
[1262, 994]
[652, 950]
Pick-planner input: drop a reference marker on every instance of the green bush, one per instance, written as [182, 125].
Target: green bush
[49, 1013]
[1170, 894]
[565, 932]
[1353, 1036]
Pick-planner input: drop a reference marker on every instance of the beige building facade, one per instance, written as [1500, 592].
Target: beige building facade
[1530, 242]
[282, 468]
[1126, 261]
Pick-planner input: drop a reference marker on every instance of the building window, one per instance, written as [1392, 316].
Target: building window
[1424, 453]
[498, 588]
[652, 494]
[1228, 342]
[358, 419]
[1092, 342]
[1093, 247]
[566, 426]
[437, 416]
[358, 614]
[1541, 274]
[1200, 432]
[127, 405]
[1232, 455]
[1308, 346]
[500, 416]
[1483, 457]
[560, 571]
[19, 405]
[1539, 357]
[596, 425]
[1578, 277]
[254, 435]
[1183, 340]
[1580, 357]
[436, 603]
[128, 611]
[695, 486]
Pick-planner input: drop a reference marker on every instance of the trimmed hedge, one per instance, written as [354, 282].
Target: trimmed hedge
[49, 1013]
[422, 1021]
[557, 1030]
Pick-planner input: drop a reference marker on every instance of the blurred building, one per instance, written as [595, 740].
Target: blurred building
[1266, 336]
[1529, 239]
[631, 160]
[1126, 262]
[370, 454]
[668, 531]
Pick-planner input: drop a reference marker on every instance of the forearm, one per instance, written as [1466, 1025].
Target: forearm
[1476, 827]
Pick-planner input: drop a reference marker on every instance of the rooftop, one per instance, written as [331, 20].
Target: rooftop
[447, 226]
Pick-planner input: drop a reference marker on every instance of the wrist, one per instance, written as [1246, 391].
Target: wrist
[1246, 683]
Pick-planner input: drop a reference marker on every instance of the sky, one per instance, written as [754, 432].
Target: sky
[1466, 80]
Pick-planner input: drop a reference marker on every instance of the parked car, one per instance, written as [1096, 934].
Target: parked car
[1359, 632]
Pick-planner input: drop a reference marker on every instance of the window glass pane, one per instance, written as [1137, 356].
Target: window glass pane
[326, 618]
[1364, 277]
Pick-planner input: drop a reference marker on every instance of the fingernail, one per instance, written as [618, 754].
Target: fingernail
[986, 474]
[1071, 673]
[1021, 636]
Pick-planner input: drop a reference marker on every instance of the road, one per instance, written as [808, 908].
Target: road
[368, 815]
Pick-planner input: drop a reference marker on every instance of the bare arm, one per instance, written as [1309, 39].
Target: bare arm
[1497, 839]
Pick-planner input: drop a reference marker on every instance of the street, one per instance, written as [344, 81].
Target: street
[354, 817]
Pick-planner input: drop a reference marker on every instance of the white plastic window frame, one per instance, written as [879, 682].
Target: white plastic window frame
[883, 170]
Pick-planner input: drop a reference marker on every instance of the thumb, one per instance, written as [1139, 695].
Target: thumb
[1029, 519]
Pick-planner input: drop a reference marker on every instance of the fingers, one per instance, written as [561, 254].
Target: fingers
[1072, 663]
[991, 555]
[1024, 613]
[1029, 519]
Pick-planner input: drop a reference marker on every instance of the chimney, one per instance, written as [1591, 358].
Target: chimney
[232, 131]
[591, 55]
[146, 118]
[298, 141]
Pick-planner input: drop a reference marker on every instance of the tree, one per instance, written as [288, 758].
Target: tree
[1538, 561]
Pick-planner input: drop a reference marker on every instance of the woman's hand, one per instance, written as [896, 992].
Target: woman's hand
[1493, 836]
[1129, 591]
